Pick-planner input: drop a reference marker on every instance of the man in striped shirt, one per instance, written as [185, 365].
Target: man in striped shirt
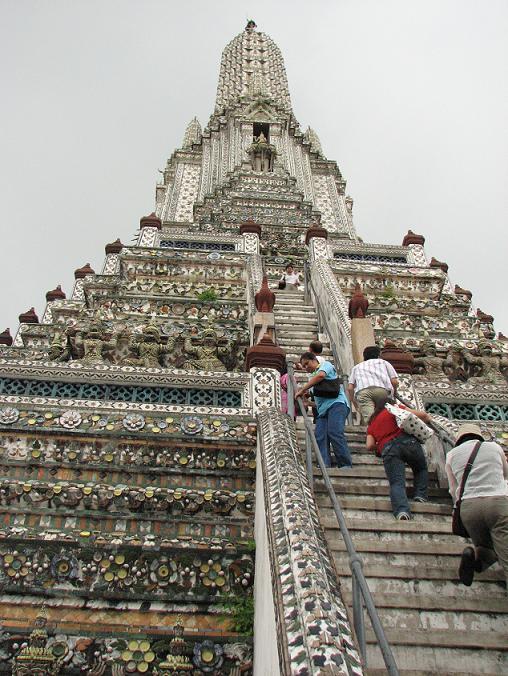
[370, 381]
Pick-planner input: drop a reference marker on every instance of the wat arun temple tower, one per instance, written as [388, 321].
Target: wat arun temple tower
[157, 515]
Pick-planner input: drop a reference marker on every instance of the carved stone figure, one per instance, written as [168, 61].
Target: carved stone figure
[94, 345]
[431, 364]
[454, 365]
[490, 365]
[205, 353]
[150, 349]
[59, 350]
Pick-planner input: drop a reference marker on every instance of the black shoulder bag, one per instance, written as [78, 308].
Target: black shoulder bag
[328, 389]
[458, 527]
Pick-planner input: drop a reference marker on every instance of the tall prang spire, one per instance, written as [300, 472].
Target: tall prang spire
[251, 65]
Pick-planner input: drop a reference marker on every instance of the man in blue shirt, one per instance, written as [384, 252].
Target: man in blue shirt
[332, 411]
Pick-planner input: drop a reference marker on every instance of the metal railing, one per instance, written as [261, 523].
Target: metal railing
[360, 590]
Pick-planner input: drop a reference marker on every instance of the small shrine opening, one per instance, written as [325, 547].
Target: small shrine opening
[261, 127]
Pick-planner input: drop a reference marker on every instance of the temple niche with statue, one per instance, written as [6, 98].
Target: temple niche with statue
[158, 515]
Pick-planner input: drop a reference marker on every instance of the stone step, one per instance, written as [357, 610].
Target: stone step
[497, 605]
[384, 576]
[386, 526]
[364, 471]
[416, 568]
[291, 321]
[374, 487]
[295, 342]
[290, 299]
[381, 520]
[483, 591]
[421, 619]
[298, 334]
[453, 546]
[295, 316]
[376, 508]
[437, 653]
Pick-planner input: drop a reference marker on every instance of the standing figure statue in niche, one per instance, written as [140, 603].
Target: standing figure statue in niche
[150, 349]
[431, 364]
[205, 351]
[490, 365]
[262, 154]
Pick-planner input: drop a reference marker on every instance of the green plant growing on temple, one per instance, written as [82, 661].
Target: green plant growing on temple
[208, 295]
[388, 292]
[241, 613]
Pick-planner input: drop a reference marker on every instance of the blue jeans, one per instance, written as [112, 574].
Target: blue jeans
[402, 451]
[330, 430]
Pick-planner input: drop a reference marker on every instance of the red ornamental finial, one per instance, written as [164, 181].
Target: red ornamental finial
[5, 337]
[265, 298]
[29, 317]
[459, 291]
[434, 263]
[114, 247]
[151, 221]
[358, 305]
[413, 238]
[55, 294]
[484, 317]
[80, 273]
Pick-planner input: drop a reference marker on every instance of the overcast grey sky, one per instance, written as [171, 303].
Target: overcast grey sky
[410, 97]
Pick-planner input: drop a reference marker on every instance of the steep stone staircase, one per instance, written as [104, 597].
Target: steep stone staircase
[296, 324]
[434, 624]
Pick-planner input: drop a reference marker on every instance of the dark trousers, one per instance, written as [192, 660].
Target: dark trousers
[402, 451]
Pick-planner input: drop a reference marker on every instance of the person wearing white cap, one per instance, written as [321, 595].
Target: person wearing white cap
[484, 504]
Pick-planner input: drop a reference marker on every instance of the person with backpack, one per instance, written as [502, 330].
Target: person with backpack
[398, 449]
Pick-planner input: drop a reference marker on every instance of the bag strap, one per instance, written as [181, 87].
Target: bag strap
[468, 468]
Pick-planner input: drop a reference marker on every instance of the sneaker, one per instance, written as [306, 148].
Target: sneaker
[403, 516]
[467, 566]
[420, 498]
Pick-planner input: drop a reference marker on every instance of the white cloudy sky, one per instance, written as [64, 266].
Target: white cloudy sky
[410, 97]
